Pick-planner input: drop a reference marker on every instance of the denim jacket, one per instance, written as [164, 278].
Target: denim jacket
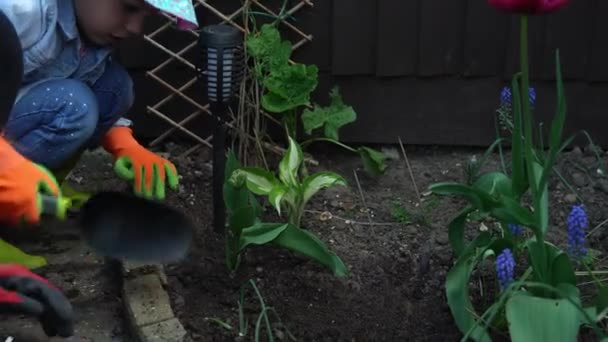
[52, 48]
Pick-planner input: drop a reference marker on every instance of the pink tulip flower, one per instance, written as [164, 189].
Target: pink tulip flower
[528, 6]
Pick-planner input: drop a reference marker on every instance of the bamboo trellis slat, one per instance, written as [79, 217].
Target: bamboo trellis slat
[178, 55]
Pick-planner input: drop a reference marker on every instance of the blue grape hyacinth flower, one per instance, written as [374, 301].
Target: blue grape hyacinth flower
[577, 227]
[505, 267]
[515, 229]
[506, 97]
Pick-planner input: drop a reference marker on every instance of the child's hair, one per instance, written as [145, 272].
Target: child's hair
[11, 62]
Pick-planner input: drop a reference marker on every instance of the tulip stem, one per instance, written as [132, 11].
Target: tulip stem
[525, 100]
[528, 146]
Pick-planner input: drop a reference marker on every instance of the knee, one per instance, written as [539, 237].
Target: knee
[78, 112]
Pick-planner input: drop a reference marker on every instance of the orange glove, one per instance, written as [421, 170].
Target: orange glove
[133, 162]
[21, 183]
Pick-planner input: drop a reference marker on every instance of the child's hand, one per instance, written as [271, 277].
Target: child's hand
[21, 184]
[24, 292]
[148, 171]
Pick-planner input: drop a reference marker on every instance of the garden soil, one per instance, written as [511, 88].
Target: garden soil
[395, 246]
[396, 249]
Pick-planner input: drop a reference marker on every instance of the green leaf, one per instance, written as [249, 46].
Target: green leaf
[534, 318]
[457, 288]
[557, 127]
[239, 219]
[306, 243]
[258, 181]
[520, 182]
[562, 270]
[268, 49]
[373, 161]
[289, 87]
[456, 230]
[478, 198]
[234, 196]
[10, 254]
[543, 204]
[242, 218]
[333, 117]
[504, 208]
[601, 300]
[497, 184]
[509, 210]
[276, 196]
[260, 233]
[318, 181]
[538, 259]
[289, 165]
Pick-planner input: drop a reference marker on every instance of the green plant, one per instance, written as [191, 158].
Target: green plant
[472, 167]
[285, 193]
[400, 214]
[333, 117]
[263, 315]
[547, 293]
[287, 92]
[420, 215]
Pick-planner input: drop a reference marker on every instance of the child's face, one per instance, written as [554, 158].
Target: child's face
[106, 22]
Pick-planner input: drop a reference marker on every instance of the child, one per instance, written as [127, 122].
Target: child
[23, 292]
[74, 94]
[21, 181]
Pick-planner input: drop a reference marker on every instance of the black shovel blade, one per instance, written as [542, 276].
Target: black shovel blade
[123, 226]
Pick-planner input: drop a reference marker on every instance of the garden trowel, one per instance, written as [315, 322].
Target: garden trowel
[124, 226]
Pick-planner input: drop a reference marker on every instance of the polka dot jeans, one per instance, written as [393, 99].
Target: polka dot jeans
[59, 118]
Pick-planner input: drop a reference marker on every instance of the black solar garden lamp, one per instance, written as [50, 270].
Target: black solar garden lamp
[223, 68]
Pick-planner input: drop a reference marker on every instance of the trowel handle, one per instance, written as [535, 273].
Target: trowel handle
[55, 206]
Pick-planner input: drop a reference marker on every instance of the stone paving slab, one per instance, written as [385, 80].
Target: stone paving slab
[148, 306]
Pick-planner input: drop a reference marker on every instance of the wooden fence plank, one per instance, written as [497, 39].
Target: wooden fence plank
[568, 31]
[315, 21]
[453, 111]
[441, 32]
[354, 37]
[484, 40]
[597, 70]
[397, 37]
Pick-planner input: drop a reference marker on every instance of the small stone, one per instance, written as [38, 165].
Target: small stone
[348, 204]
[570, 198]
[280, 335]
[579, 179]
[444, 256]
[591, 150]
[589, 161]
[602, 185]
[442, 238]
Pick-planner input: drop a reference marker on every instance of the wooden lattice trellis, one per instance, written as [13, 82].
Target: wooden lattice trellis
[178, 55]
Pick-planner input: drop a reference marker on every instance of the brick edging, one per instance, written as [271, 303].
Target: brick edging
[147, 305]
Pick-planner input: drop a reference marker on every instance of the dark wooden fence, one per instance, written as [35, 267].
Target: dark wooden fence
[430, 71]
